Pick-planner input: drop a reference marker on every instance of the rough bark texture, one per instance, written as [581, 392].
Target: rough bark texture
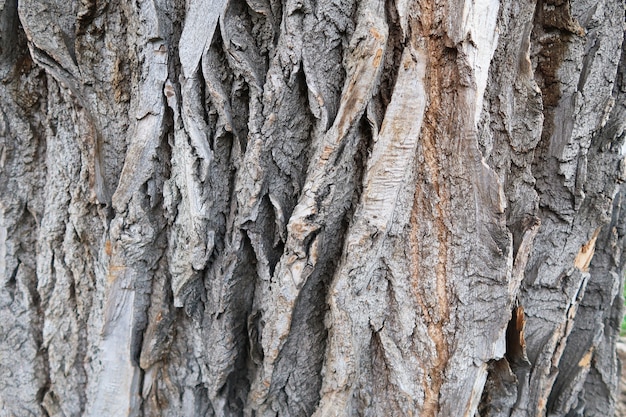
[311, 208]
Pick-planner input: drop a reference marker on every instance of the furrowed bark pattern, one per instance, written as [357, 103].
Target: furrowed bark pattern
[311, 208]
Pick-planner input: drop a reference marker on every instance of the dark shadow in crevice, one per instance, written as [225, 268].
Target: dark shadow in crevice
[238, 319]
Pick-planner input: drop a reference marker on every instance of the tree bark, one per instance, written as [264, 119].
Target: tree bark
[311, 208]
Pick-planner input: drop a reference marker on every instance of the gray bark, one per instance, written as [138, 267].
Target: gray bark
[311, 208]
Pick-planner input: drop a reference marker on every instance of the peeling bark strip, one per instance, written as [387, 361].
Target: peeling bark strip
[311, 208]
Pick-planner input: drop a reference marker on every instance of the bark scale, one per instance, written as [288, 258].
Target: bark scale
[305, 208]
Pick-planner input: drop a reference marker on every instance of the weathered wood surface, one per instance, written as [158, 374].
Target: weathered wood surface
[328, 208]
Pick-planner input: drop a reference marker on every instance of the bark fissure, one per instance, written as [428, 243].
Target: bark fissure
[439, 318]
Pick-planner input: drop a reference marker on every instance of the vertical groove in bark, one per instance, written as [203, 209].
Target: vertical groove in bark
[439, 61]
[296, 208]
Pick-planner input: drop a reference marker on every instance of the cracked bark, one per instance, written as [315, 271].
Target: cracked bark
[299, 208]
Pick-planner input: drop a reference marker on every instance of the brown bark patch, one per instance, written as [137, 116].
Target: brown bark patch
[114, 273]
[585, 361]
[442, 73]
[585, 254]
[515, 342]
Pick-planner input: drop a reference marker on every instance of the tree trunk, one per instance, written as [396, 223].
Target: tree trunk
[311, 208]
